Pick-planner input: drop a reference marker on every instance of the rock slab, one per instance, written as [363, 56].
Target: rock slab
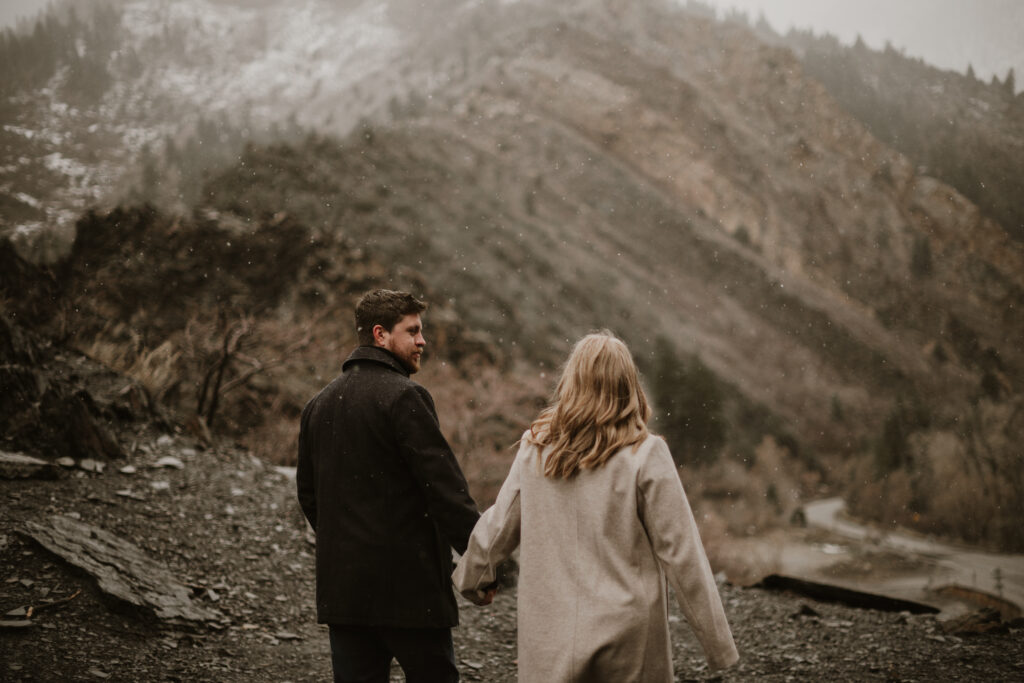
[120, 568]
[21, 466]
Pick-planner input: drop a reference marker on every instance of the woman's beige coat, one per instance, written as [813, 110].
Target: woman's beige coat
[595, 554]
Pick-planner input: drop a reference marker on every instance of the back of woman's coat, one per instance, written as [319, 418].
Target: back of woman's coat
[595, 553]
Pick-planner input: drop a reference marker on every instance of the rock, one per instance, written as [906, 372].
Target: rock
[168, 461]
[847, 596]
[286, 472]
[90, 465]
[44, 410]
[805, 611]
[136, 400]
[120, 568]
[66, 462]
[15, 623]
[128, 469]
[985, 620]
[287, 635]
[21, 466]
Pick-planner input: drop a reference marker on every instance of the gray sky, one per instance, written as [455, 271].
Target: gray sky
[12, 10]
[946, 33]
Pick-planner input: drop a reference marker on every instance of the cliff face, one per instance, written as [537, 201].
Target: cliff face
[659, 174]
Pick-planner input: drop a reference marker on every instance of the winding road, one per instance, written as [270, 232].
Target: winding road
[997, 574]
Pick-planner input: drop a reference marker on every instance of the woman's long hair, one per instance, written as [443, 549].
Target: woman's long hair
[599, 408]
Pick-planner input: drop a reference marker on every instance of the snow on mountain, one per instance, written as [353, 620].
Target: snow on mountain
[175, 64]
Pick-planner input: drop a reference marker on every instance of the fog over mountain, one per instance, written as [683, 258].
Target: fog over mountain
[946, 33]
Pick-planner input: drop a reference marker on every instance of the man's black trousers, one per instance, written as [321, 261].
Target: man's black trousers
[363, 654]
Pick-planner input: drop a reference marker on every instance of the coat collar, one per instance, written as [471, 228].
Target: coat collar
[374, 354]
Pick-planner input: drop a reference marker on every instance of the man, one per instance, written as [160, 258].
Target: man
[387, 500]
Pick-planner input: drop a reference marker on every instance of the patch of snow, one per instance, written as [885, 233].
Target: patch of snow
[276, 59]
[59, 163]
[18, 130]
[28, 199]
[28, 229]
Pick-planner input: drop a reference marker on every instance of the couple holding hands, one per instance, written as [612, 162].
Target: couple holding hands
[592, 500]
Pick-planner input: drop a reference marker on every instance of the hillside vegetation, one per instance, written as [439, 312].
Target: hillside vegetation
[963, 131]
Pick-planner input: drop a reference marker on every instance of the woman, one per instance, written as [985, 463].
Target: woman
[595, 503]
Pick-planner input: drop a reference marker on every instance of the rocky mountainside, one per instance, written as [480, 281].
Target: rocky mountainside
[668, 177]
[543, 171]
[968, 133]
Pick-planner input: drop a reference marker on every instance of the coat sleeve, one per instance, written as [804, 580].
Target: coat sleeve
[432, 463]
[494, 538]
[670, 525]
[305, 475]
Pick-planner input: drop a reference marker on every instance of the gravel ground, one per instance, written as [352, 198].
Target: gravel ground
[228, 527]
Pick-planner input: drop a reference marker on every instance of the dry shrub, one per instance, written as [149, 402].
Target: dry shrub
[957, 507]
[483, 413]
[884, 500]
[967, 484]
[749, 499]
[157, 369]
[257, 374]
[744, 560]
[275, 441]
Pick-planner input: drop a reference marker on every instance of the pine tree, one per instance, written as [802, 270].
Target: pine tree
[689, 400]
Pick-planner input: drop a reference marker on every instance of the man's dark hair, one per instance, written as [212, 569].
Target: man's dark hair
[384, 307]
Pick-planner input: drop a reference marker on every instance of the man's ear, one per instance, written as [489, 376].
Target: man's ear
[378, 335]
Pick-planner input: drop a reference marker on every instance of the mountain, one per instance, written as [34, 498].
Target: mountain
[539, 171]
[953, 126]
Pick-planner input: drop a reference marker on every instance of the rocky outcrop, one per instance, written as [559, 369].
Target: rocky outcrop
[120, 568]
[45, 409]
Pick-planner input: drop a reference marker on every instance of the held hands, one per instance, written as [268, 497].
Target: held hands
[486, 597]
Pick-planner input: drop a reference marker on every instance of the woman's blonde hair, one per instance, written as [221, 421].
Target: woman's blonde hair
[598, 408]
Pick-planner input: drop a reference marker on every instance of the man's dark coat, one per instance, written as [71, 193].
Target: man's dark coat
[385, 495]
